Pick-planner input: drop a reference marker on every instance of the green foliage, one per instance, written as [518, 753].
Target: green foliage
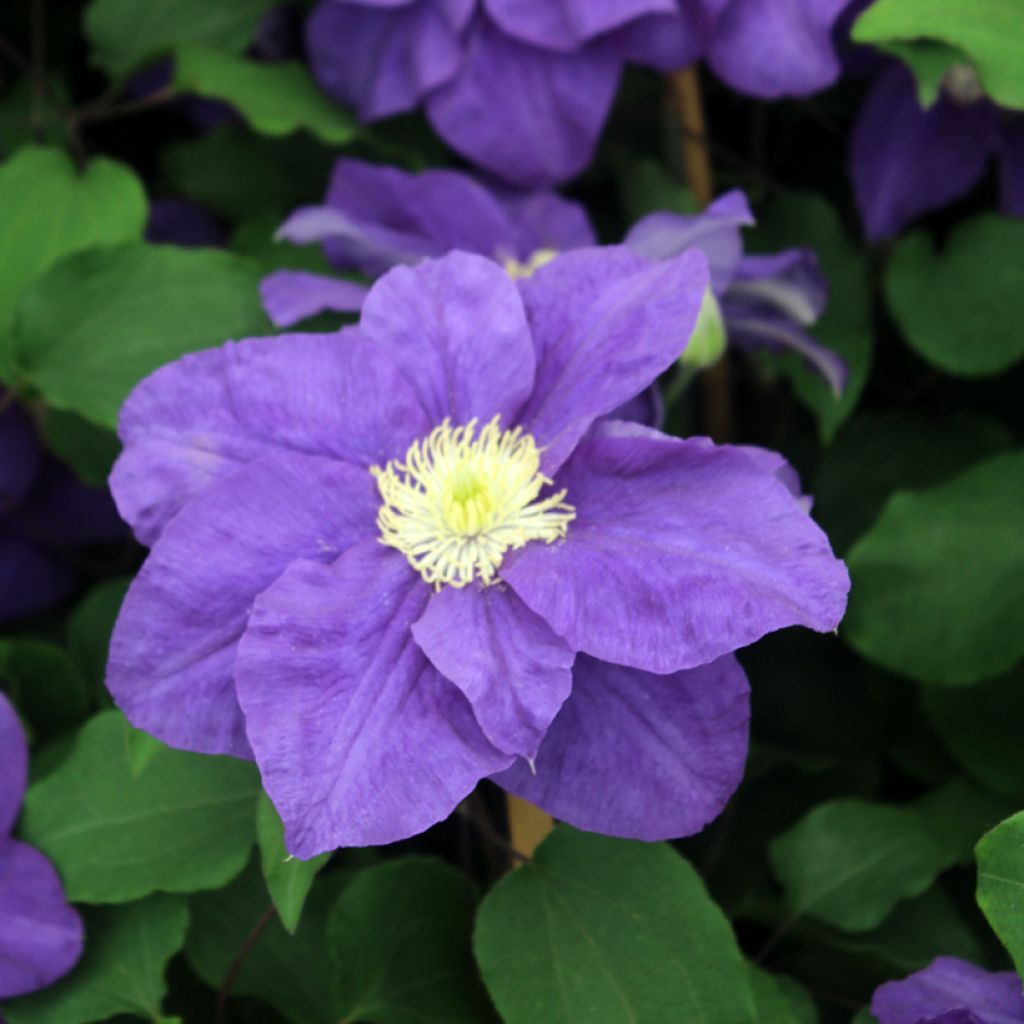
[97, 323]
[990, 31]
[185, 822]
[45, 682]
[88, 449]
[122, 970]
[849, 862]
[929, 61]
[780, 1000]
[276, 99]
[597, 929]
[51, 211]
[804, 219]
[1001, 884]
[90, 625]
[961, 307]
[400, 937]
[937, 581]
[288, 878]
[125, 34]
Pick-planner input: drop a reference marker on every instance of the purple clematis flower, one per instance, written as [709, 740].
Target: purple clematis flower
[523, 87]
[392, 561]
[950, 991]
[905, 160]
[378, 217]
[45, 512]
[40, 932]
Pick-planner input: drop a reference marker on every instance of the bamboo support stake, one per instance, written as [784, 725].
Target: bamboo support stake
[686, 95]
[527, 825]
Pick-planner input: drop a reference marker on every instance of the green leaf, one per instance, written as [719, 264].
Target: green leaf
[121, 971]
[982, 728]
[186, 822]
[400, 936]
[275, 98]
[1001, 884]
[961, 307]
[780, 1000]
[958, 814]
[45, 683]
[938, 581]
[845, 327]
[929, 62]
[598, 930]
[51, 210]
[292, 973]
[90, 624]
[255, 238]
[97, 323]
[243, 176]
[990, 31]
[849, 862]
[879, 453]
[125, 34]
[647, 186]
[88, 449]
[288, 878]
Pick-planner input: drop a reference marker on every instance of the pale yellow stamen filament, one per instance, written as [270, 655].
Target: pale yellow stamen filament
[460, 500]
[539, 258]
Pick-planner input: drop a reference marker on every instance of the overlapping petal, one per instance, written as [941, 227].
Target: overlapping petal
[289, 296]
[514, 671]
[173, 648]
[531, 117]
[195, 420]
[949, 985]
[13, 766]
[359, 739]
[639, 755]
[443, 324]
[41, 935]
[384, 58]
[606, 322]
[680, 552]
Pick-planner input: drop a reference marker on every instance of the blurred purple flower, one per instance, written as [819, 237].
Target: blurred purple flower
[906, 160]
[40, 932]
[950, 991]
[376, 217]
[395, 560]
[183, 222]
[523, 87]
[44, 512]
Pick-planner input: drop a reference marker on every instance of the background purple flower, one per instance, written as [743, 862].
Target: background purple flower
[40, 933]
[906, 160]
[270, 621]
[377, 217]
[950, 991]
[45, 512]
[523, 87]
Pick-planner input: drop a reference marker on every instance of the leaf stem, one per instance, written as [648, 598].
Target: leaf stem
[235, 967]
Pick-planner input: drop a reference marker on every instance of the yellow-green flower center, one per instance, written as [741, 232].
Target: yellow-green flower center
[539, 258]
[461, 499]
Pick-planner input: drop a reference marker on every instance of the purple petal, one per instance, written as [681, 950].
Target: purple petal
[19, 453]
[385, 61]
[605, 322]
[41, 935]
[567, 24]
[359, 740]
[790, 282]
[173, 647]
[680, 552]
[195, 420]
[182, 222]
[950, 984]
[457, 330]
[545, 220]
[667, 42]
[1010, 141]
[532, 117]
[773, 462]
[32, 579]
[293, 295]
[513, 670]
[638, 755]
[775, 48]
[716, 232]
[62, 512]
[13, 766]
[647, 408]
[905, 160]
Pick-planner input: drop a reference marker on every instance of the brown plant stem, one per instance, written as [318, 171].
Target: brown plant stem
[235, 967]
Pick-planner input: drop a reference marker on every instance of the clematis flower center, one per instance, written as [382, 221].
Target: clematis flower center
[539, 258]
[461, 499]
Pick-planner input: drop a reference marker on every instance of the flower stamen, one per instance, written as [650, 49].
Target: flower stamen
[460, 500]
